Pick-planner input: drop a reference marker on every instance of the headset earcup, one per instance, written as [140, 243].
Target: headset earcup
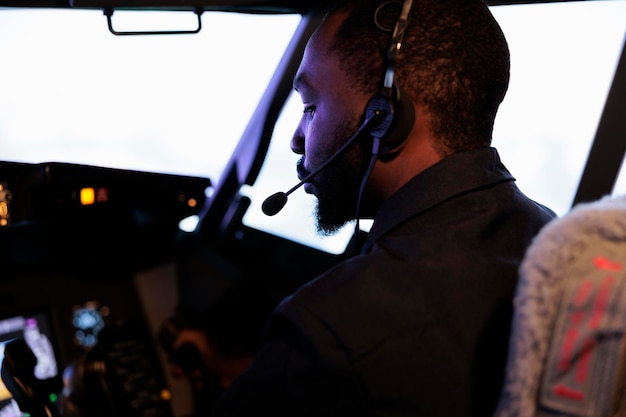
[395, 125]
[383, 107]
[400, 127]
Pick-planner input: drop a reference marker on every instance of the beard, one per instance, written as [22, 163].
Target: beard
[338, 185]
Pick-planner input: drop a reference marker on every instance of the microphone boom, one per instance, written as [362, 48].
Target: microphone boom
[275, 203]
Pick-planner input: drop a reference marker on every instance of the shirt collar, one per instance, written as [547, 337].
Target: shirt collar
[455, 174]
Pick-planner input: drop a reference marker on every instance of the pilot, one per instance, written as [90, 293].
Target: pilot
[400, 97]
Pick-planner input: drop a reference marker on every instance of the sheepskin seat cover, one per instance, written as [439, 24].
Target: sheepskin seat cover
[567, 339]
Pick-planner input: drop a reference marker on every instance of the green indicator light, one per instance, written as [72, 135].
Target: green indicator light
[53, 397]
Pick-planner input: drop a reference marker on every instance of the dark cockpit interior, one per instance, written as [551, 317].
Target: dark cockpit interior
[145, 208]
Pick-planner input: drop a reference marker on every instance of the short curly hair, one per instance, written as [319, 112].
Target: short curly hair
[454, 60]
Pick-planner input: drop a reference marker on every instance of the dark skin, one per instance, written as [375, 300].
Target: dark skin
[333, 107]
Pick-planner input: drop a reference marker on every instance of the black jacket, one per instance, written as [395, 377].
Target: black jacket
[418, 324]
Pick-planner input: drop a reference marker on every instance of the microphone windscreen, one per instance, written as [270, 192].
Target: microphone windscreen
[274, 203]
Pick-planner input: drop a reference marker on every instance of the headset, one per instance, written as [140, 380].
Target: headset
[394, 107]
[389, 117]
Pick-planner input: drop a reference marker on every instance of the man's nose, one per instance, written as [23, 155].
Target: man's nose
[297, 142]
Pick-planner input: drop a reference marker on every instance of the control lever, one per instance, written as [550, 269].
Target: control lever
[18, 375]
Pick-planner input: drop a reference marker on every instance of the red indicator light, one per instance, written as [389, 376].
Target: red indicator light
[102, 194]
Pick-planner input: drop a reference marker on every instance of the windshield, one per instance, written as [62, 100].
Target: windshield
[74, 92]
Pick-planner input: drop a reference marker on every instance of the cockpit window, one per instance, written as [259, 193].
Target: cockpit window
[563, 58]
[74, 92]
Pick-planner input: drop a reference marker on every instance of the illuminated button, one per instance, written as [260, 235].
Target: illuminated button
[87, 196]
[102, 195]
[166, 395]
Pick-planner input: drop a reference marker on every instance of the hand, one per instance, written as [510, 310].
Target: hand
[209, 360]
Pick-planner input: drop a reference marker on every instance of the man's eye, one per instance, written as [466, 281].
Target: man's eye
[309, 110]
